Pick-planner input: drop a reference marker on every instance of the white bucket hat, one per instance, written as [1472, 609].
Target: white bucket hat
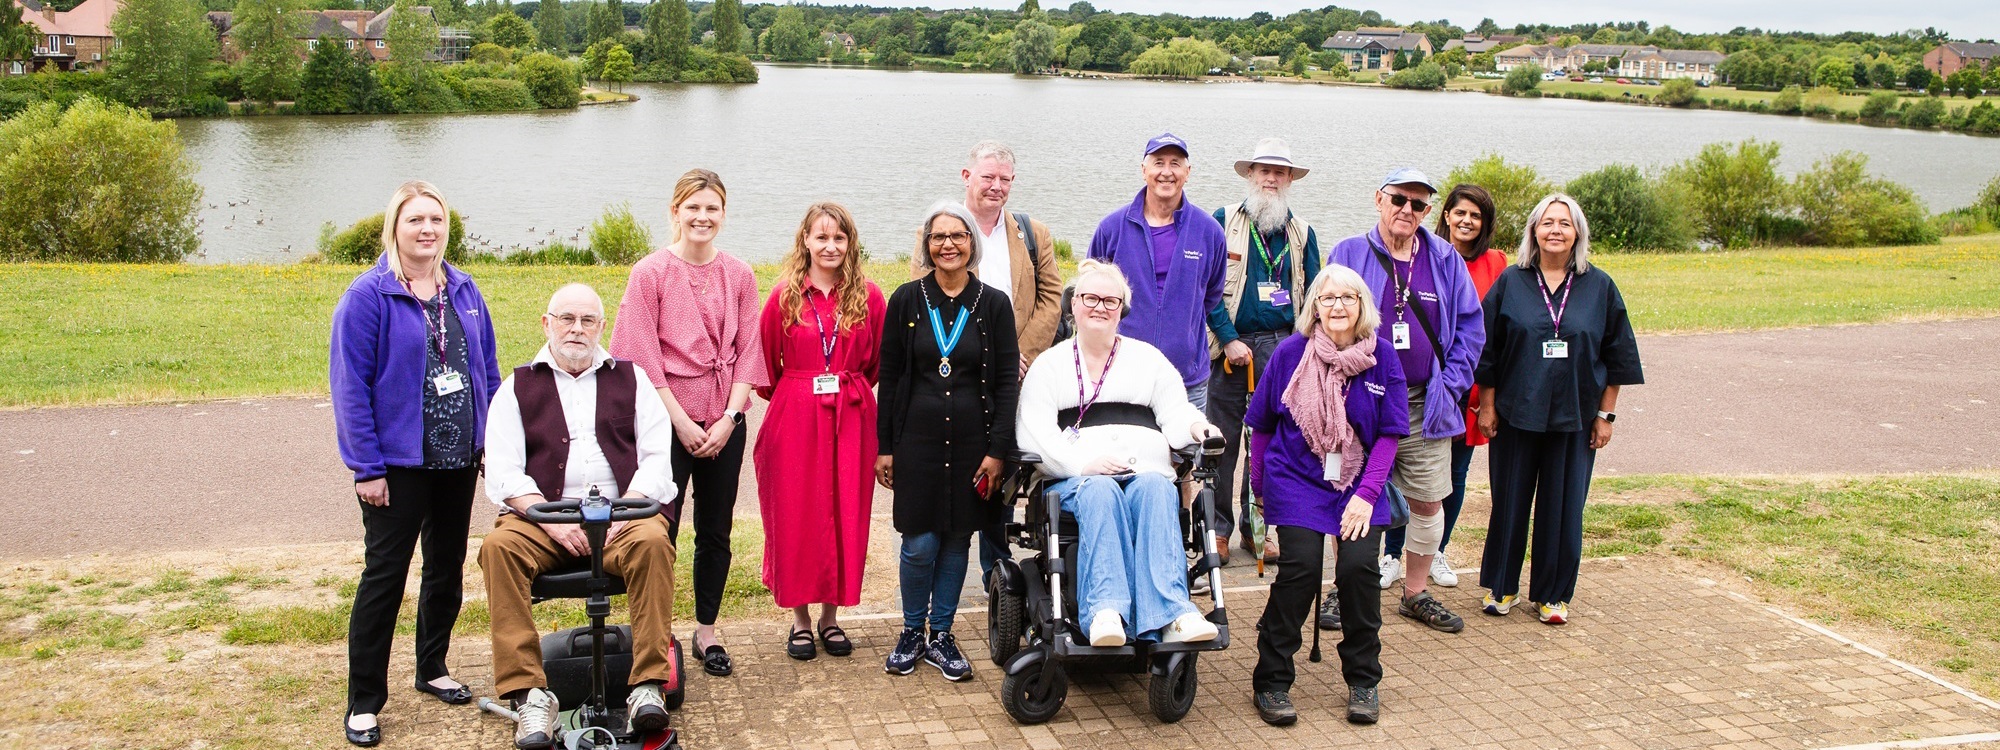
[1271, 151]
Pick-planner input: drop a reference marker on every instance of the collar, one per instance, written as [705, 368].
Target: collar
[386, 283]
[1137, 211]
[598, 355]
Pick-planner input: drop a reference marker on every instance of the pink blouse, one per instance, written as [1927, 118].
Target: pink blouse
[693, 328]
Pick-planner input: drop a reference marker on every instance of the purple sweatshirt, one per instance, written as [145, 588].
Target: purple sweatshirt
[1294, 490]
[376, 368]
[1461, 323]
[1172, 316]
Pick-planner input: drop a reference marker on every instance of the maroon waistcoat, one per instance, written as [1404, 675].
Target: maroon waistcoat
[547, 431]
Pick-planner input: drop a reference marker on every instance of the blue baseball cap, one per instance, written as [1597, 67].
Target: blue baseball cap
[1167, 140]
[1409, 176]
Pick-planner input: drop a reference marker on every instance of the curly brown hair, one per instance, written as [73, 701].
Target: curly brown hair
[792, 278]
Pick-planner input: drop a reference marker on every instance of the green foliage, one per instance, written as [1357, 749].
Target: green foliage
[1790, 101]
[1515, 189]
[1732, 195]
[618, 237]
[1842, 205]
[1878, 105]
[361, 242]
[17, 37]
[552, 81]
[618, 67]
[95, 182]
[266, 33]
[1834, 73]
[1521, 79]
[1628, 211]
[497, 95]
[668, 32]
[607, 21]
[488, 53]
[789, 39]
[1925, 112]
[1966, 82]
[1180, 58]
[164, 49]
[1034, 46]
[727, 16]
[1428, 76]
[335, 80]
[510, 30]
[412, 37]
[894, 51]
[551, 31]
[593, 58]
[1678, 92]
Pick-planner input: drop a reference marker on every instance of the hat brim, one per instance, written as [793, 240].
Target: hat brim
[1243, 167]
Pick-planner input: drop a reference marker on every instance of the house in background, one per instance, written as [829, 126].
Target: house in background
[77, 39]
[1375, 47]
[1548, 56]
[841, 39]
[1662, 64]
[1952, 57]
[1618, 59]
[1479, 45]
[357, 29]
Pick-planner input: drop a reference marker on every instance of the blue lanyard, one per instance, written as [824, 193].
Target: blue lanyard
[945, 345]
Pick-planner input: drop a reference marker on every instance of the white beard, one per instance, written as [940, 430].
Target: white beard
[1268, 212]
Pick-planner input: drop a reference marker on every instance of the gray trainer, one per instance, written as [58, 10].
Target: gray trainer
[645, 710]
[1364, 706]
[1428, 610]
[535, 723]
[1275, 708]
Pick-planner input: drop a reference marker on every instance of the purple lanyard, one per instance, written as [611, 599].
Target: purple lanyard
[440, 333]
[1548, 301]
[826, 343]
[1082, 405]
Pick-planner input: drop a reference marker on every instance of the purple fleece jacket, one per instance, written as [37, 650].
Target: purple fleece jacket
[1172, 317]
[1462, 332]
[376, 368]
[1284, 470]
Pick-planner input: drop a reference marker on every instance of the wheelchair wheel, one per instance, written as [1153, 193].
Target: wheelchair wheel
[1005, 618]
[1032, 700]
[1171, 695]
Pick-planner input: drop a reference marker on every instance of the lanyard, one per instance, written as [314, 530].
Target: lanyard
[428, 333]
[945, 345]
[1263, 253]
[1083, 405]
[1396, 278]
[1548, 301]
[826, 343]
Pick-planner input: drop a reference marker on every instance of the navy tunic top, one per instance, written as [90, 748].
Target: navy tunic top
[1542, 394]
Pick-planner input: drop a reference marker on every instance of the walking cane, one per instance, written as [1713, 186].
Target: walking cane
[1256, 507]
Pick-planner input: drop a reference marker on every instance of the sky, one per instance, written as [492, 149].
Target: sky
[1963, 19]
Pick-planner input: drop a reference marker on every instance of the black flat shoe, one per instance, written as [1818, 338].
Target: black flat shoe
[369, 737]
[457, 696]
[836, 641]
[800, 646]
[715, 661]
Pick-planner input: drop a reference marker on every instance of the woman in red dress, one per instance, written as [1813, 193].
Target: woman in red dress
[815, 455]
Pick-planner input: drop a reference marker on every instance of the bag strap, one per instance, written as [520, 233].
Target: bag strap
[1028, 238]
[1423, 321]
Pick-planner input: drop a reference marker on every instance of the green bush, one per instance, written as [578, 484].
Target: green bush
[1840, 204]
[554, 254]
[95, 182]
[1428, 76]
[1984, 119]
[1925, 112]
[552, 82]
[1522, 79]
[362, 242]
[488, 53]
[1729, 193]
[1628, 211]
[1878, 105]
[1791, 101]
[1515, 189]
[619, 238]
[1678, 92]
[497, 95]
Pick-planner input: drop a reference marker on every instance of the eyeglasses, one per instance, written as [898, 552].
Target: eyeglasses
[1327, 301]
[939, 239]
[1398, 200]
[1095, 301]
[588, 321]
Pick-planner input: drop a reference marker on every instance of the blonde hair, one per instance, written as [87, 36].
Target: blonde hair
[1094, 267]
[1335, 276]
[393, 215]
[964, 216]
[691, 182]
[1579, 253]
[852, 293]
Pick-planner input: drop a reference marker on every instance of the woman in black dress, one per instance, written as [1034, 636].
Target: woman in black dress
[949, 382]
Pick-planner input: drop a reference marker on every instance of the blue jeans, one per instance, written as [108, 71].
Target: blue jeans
[1129, 557]
[933, 573]
[1461, 464]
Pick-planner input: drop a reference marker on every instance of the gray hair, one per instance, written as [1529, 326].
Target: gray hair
[1335, 276]
[957, 211]
[574, 286]
[1579, 254]
[984, 150]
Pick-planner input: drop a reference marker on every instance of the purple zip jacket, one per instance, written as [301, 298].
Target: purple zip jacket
[1174, 319]
[1462, 332]
[376, 368]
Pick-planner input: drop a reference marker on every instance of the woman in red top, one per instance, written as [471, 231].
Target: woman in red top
[689, 320]
[815, 456]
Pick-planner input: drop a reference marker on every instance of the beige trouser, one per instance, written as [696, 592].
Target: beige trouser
[518, 550]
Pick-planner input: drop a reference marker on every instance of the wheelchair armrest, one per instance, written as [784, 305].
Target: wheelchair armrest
[1023, 457]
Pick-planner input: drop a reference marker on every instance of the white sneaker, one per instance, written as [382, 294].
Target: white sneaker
[1441, 572]
[1392, 569]
[1199, 585]
[1107, 629]
[1189, 628]
[535, 720]
[645, 710]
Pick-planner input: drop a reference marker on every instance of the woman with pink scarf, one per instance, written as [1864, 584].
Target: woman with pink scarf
[1324, 424]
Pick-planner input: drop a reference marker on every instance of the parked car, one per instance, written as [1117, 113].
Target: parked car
[1597, 79]
[1548, 76]
[1576, 79]
[1626, 81]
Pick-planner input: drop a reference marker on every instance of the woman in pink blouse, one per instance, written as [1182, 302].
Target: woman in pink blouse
[689, 319]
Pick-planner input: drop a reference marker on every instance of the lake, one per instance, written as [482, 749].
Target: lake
[888, 143]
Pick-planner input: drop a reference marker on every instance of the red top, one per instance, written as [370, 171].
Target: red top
[692, 328]
[1484, 269]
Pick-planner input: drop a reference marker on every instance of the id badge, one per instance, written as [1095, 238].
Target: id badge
[449, 383]
[1330, 468]
[825, 384]
[1267, 292]
[1281, 298]
[1399, 335]
[1555, 350]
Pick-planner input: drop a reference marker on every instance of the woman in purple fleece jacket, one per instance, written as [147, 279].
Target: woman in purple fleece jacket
[412, 369]
[1324, 424]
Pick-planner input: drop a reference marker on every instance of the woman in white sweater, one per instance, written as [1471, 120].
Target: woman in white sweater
[1105, 412]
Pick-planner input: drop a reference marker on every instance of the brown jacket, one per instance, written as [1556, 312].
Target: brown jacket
[1035, 313]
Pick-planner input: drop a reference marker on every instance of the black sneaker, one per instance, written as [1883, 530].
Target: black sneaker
[1329, 611]
[1428, 610]
[943, 653]
[1275, 708]
[909, 649]
[1363, 705]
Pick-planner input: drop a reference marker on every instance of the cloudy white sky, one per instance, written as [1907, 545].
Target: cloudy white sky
[1965, 19]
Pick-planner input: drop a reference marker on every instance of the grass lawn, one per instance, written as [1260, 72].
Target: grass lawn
[1850, 102]
[102, 333]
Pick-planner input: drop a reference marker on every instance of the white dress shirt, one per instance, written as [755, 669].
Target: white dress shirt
[996, 259]
[507, 447]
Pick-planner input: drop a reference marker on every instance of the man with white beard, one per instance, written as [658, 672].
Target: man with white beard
[1263, 289]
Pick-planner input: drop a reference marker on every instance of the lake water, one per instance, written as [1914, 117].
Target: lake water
[888, 143]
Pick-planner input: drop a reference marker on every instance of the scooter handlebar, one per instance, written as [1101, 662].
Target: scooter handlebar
[571, 511]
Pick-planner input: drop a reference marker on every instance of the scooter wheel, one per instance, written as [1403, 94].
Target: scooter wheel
[1030, 699]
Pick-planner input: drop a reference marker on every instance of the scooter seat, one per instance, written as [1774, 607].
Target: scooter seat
[571, 581]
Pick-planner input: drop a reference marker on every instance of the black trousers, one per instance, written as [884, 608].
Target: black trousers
[1228, 399]
[431, 506]
[1543, 476]
[1301, 553]
[712, 500]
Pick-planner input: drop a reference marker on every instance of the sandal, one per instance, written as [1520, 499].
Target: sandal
[841, 647]
[801, 646]
[715, 661]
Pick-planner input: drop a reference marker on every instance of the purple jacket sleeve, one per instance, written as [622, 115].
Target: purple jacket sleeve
[1381, 457]
[351, 375]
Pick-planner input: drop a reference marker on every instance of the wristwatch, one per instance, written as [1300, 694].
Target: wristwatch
[733, 416]
[1607, 416]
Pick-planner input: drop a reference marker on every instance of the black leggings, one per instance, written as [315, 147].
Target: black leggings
[713, 502]
[1301, 553]
[433, 506]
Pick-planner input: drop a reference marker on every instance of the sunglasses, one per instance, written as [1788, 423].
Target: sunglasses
[1398, 200]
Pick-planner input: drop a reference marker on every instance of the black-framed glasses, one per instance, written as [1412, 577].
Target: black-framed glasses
[1399, 200]
[939, 239]
[1327, 301]
[1095, 301]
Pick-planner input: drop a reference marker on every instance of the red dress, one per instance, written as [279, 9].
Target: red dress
[1484, 269]
[815, 454]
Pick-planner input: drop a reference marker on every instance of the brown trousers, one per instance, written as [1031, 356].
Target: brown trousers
[518, 550]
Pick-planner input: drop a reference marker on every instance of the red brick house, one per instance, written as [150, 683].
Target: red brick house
[357, 29]
[78, 39]
[1952, 57]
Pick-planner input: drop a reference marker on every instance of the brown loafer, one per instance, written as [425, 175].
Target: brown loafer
[1222, 548]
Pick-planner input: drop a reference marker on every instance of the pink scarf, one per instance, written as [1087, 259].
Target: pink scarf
[1317, 398]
